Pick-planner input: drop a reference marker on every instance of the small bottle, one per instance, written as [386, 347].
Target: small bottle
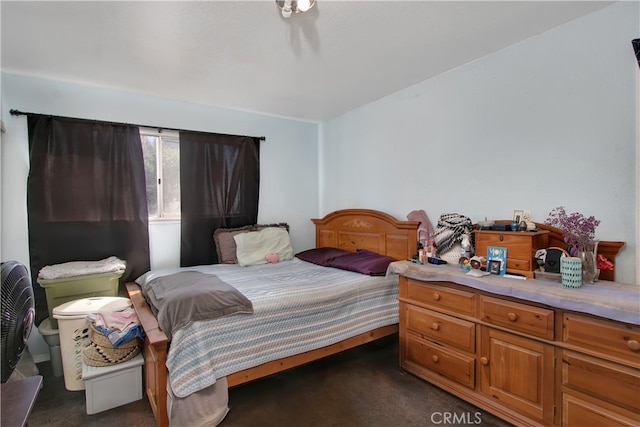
[465, 246]
[421, 252]
[431, 249]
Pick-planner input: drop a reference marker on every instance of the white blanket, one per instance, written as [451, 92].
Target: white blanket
[82, 268]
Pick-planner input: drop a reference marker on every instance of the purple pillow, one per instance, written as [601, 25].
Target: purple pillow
[322, 256]
[363, 261]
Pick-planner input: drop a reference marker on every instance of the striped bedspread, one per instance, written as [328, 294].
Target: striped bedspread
[298, 307]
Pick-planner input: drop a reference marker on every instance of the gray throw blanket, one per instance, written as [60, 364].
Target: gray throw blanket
[181, 298]
[451, 227]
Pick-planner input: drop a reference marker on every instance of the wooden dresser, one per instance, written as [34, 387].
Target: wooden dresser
[540, 358]
[521, 247]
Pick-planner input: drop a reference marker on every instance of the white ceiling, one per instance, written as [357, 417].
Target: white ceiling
[243, 55]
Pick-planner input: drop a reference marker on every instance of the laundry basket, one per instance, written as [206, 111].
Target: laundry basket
[74, 332]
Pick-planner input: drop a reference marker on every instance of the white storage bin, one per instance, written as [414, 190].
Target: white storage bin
[74, 332]
[107, 387]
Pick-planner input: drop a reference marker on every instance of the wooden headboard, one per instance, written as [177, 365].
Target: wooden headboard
[605, 248]
[373, 230]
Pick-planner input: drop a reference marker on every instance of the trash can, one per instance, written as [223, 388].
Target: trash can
[52, 338]
[74, 332]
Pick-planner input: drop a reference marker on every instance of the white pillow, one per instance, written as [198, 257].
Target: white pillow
[252, 247]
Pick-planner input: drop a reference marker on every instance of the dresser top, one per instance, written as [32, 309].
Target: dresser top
[610, 300]
[514, 233]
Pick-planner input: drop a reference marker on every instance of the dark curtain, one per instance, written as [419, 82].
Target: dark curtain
[219, 187]
[86, 196]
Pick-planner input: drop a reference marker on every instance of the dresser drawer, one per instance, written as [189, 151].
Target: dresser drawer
[441, 298]
[518, 317]
[518, 264]
[518, 244]
[441, 328]
[579, 413]
[610, 382]
[607, 337]
[447, 362]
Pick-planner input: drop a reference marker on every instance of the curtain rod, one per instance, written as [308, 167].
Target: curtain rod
[14, 112]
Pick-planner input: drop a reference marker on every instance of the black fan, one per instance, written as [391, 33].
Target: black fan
[17, 314]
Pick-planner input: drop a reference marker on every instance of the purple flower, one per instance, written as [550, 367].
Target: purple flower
[578, 231]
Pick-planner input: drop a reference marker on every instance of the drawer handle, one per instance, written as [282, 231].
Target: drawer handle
[512, 316]
[436, 296]
[633, 345]
[435, 358]
[484, 361]
[501, 237]
[435, 326]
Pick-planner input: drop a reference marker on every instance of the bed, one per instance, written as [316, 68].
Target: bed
[350, 230]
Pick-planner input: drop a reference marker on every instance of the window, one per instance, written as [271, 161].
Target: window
[161, 151]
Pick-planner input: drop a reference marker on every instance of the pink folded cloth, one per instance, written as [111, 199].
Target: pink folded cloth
[115, 320]
[425, 229]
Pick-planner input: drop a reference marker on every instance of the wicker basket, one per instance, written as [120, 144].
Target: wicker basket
[101, 352]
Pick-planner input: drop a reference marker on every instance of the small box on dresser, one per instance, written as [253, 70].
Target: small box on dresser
[521, 247]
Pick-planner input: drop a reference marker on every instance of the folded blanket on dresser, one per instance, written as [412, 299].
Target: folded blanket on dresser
[449, 231]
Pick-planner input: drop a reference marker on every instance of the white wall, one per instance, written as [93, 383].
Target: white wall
[288, 159]
[550, 121]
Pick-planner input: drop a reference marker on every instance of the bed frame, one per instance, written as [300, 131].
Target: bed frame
[349, 229]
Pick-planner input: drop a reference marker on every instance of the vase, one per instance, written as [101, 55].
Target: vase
[571, 271]
[589, 257]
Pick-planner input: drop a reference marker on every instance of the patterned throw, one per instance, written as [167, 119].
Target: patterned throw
[451, 227]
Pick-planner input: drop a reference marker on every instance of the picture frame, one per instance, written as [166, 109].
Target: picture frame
[499, 254]
[494, 266]
[518, 215]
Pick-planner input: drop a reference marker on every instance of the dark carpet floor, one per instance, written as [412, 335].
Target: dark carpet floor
[359, 387]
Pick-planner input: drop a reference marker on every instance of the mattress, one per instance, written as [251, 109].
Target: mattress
[298, 307]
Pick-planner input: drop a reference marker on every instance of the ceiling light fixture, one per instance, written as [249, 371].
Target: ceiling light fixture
[287, 7]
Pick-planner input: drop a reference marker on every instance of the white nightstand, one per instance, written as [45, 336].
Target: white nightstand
[107, 387]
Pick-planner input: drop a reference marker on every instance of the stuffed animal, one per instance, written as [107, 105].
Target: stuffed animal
[272, 258]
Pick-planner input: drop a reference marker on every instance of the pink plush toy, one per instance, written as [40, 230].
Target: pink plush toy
[272, 258]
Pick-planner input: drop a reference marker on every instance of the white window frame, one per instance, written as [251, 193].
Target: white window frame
[160, 133]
